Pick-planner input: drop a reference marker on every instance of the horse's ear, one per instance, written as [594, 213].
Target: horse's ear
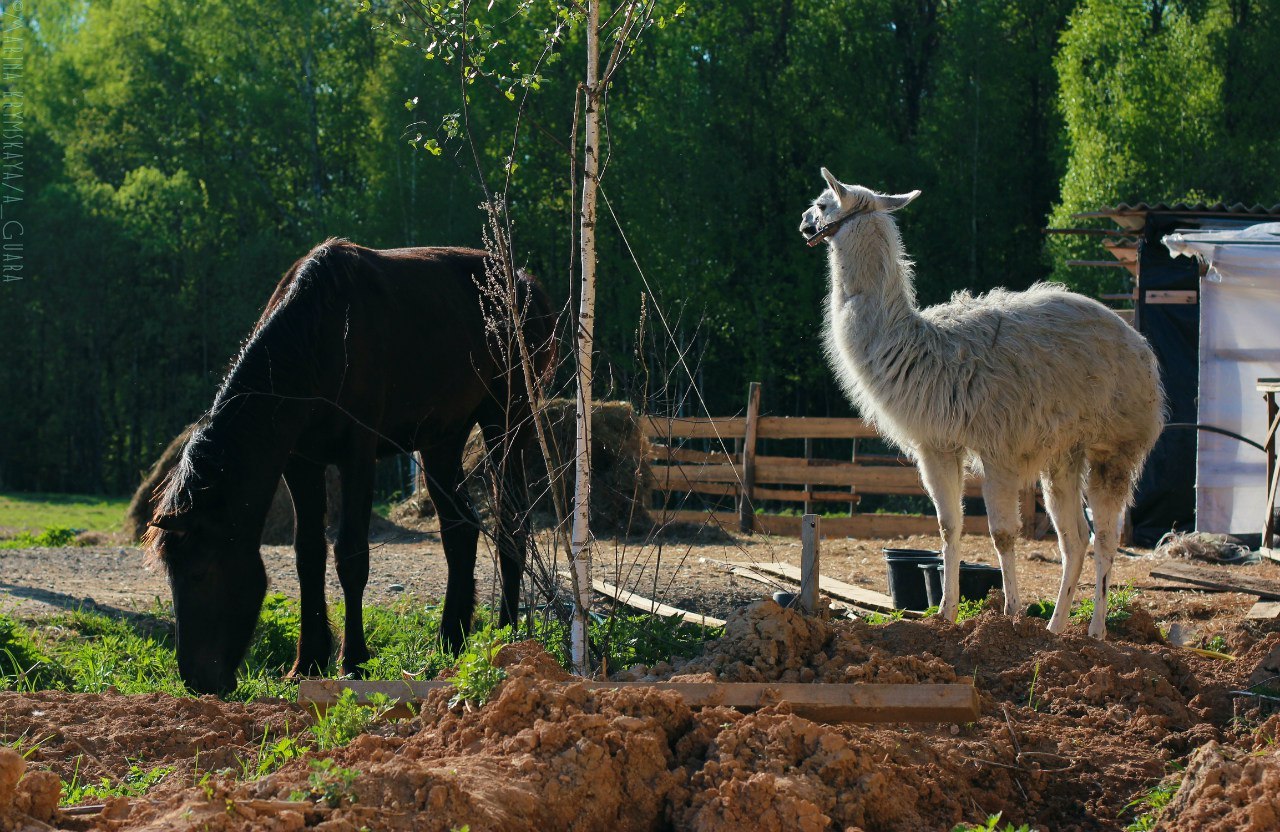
[175, 523]
[833, 183]
[892, 202]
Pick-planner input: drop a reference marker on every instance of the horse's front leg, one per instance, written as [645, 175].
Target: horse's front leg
[459, 533]
[351, 554]
[506, 450]
[306, 486]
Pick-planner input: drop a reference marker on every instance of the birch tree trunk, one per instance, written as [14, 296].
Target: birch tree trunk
[580, 547]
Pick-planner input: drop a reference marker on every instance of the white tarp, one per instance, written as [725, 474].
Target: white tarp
[1239, 343]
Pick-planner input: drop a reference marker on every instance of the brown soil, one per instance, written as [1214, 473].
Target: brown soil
[1071, 730]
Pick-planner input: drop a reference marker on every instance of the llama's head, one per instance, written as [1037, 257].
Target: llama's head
[841, 202]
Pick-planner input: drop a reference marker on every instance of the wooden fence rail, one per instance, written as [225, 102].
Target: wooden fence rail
[735, 470]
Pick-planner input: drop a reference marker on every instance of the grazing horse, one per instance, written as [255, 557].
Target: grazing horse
[359, 354]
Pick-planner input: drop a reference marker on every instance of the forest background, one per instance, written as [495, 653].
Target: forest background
[166, 160]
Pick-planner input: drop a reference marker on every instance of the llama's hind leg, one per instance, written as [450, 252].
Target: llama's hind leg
[1064, 498]
[1000, 493]
[1109, 488]
[943, 475]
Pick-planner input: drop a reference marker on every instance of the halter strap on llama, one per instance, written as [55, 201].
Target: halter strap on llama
[833, 226]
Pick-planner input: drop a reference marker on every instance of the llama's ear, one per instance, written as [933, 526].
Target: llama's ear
[892, 202]
[833, 183]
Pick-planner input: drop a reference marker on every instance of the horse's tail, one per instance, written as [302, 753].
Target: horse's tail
[539, 325]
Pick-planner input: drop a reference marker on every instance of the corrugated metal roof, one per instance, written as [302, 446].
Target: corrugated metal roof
[1238, 208]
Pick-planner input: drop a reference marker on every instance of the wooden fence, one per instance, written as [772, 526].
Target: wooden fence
[752, 479]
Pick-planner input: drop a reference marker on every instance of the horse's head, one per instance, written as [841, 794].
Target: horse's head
[218, 584]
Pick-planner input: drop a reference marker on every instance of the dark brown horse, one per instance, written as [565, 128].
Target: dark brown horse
[359, 354]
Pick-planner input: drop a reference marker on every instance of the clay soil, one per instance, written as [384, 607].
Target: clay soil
[1071, 729]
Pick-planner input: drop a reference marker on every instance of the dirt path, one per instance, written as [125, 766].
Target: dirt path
[677, 571]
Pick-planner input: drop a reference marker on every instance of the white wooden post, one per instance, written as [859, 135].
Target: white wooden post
[810, 544]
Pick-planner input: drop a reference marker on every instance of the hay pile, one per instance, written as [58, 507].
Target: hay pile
[621, 481]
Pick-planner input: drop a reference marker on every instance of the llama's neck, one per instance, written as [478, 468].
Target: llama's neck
[871, 288]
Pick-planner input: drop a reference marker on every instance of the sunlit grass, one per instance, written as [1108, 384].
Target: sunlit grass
[33, 512]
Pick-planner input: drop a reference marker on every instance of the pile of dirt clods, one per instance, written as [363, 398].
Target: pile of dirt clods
[1072, 730]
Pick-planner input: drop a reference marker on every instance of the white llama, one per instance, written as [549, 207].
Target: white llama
[1013, 385]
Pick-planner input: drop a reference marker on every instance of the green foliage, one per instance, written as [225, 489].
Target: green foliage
[992, 825]
[1119, 606]
[136, 783]
[966, 610]
[346, 719]
[24, 665]
[271, 755]
[329, 783]
[884, 618]
[52, 537]
[475, 676]
[1148, 806]
[405, 638]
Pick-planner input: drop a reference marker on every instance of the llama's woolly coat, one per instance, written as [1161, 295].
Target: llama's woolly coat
[1018, 385]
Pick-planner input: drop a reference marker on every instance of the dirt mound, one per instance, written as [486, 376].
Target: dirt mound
[91, 736]
[1227, 790]
[1071, 731]
[28, 799]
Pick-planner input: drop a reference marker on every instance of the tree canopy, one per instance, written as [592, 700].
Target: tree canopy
[179, 154]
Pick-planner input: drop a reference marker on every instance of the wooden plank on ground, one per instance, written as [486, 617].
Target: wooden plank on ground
[1265, 610]
[820, 702]
[1270, 554]
[1218, 579]
[861, 596]
[639, 602]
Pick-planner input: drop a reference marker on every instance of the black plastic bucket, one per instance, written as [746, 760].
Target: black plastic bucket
[906, 581]
[932, 582]
[976, 580]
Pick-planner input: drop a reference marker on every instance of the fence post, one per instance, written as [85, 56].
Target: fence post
[746, 508]
[810, 543]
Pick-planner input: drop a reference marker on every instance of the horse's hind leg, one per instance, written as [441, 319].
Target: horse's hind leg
[351, 554]
[459, 533]
[506, 447]
[306, 486]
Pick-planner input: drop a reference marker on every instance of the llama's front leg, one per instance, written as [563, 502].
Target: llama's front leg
[943, 475]
[1000, 492]
[1107, 495]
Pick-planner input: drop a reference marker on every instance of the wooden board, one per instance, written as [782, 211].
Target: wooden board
[639, 602]
[1265, 610]
[814, 427]
[1218, 579]
[861, 596]
[732, 427]
[819, 702]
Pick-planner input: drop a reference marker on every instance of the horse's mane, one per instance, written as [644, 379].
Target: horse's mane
[193, 473]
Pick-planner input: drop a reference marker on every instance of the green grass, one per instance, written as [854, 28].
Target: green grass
[992, 825]
[33, 512]
[1149, 805]
[1119, 607]
[89, 651]
[137, 782]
